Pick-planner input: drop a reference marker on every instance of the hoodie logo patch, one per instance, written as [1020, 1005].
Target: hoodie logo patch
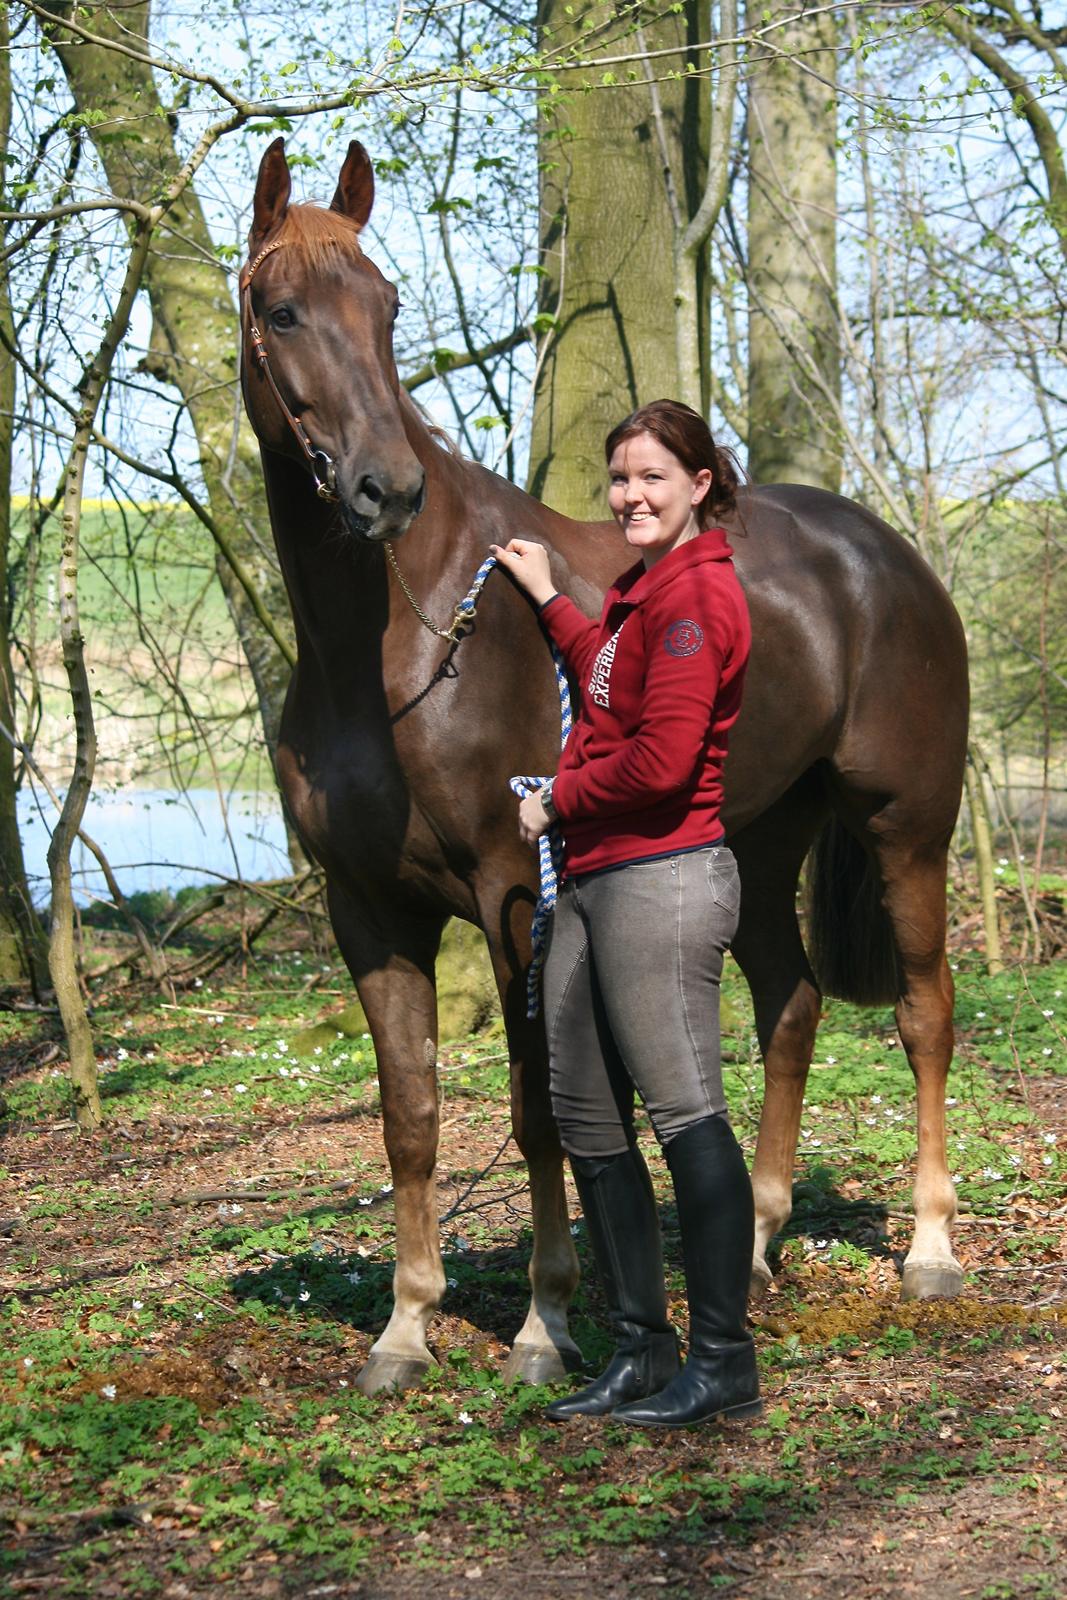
[600, 677]
[684, 638]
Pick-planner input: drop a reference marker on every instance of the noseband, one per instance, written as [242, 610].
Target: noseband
[322, 467]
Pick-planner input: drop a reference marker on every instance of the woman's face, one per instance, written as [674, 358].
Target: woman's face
[653, 498]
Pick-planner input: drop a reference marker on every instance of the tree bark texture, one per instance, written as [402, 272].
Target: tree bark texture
[794, 356]
[607, 245]
[22, 945]
[195, 331]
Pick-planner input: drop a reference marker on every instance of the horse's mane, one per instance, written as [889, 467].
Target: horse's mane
[324, 236]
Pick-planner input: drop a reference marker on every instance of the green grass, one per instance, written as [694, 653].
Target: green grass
[208, 1382]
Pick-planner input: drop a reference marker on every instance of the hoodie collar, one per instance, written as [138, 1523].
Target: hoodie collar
[636, 584]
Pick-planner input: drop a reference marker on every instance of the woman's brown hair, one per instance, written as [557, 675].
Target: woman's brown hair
[683, 431]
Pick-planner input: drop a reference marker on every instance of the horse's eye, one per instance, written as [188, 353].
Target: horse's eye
[396, 309]
[282, 318]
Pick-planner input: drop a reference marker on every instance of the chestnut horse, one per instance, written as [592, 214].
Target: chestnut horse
[396, 747]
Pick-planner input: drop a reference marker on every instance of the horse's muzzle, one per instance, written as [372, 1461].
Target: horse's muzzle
[375, 513]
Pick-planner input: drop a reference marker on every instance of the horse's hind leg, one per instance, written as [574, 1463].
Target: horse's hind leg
[543, 1349]
[394, 972]
[914, 897]
[785, 997]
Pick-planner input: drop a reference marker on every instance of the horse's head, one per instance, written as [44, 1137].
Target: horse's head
[318, 374]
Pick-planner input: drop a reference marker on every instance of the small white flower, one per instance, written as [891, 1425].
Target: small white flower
[816, 1144]
[831, 1061]
[138, 1305]
[979, 1014]
[365, 1200]
[315, 1067]
[283, 1072]
[198, 1316]
[957, 1177]
[1048, 1013]
[208, 1094]
[353, 1277]
[340, 1035]
[466, 1418]
[317, 1050]
[240, 1088]
[1057, 994]
[121, 1055]
[952, 1102]
[820, 1244]
[342, 1383]
[281, 1045]
[301, 1083]
[109, 1391]
[954, 965]
[27, 1362]
[1016, 1161]
[1046, 1161]
[871, 1121]
[453, 1283]
[998, 872]
[998, 1032]
[1047, 1051]
[1003, 861]
[992, 1174]
[876, 1099]
[304, 1296]
[1011, 996]
[235, 1209]
[198, 983]
[386, 1188]
[1050, 1138]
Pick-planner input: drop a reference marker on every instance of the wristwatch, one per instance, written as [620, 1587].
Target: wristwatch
[545, 792]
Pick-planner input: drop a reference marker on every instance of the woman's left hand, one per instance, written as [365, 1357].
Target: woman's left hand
[533, 819]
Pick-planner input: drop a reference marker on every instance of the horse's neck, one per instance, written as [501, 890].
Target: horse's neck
[339, 588]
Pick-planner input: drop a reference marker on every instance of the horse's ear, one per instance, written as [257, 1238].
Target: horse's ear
[273, 188]
[355, 187]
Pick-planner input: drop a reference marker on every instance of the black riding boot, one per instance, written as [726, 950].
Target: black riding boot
[620, 1213]
[715, 1213]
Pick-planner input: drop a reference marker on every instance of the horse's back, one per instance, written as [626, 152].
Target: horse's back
[858, 655]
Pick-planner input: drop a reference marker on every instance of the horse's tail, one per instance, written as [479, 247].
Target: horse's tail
[849, 935]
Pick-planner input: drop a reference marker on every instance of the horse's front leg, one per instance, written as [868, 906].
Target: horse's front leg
[394, 973]
[543, 1349]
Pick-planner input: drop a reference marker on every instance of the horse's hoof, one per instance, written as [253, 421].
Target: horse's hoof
[542, 1363]
[759, 1282]
[931, 1280]
[384, 1373]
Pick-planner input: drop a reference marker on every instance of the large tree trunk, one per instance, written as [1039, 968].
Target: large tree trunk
[195, 326]
[794, 361]
[22, 947]
[607, 248]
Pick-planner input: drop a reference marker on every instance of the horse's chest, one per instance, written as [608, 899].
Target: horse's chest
[363, 808]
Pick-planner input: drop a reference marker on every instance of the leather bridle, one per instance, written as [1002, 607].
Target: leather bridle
[322, 467]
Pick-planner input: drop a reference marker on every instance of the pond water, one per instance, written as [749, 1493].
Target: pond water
[161, 839]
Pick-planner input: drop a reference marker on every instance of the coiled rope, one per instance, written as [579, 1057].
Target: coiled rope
[549, 846]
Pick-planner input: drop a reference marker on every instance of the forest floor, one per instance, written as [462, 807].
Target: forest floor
[187, 1297]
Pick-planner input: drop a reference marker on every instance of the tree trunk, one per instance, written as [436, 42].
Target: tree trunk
[794, 360]
[22, 946]
[195, 332]
[607, 246]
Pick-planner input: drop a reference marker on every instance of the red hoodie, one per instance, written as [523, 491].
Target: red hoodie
[660, 678]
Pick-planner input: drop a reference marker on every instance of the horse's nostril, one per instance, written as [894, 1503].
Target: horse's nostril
[420, 497]
[371, 489]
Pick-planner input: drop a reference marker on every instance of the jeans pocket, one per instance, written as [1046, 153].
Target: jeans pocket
[724, 881]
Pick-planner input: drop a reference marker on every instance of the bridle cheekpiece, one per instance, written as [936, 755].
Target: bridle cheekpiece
[322, 467]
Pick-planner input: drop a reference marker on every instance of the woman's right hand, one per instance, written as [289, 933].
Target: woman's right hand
[528, 565]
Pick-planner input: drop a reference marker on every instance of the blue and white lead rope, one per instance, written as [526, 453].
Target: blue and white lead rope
[550, 850]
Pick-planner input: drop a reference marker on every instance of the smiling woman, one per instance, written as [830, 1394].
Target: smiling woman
[649, 904]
